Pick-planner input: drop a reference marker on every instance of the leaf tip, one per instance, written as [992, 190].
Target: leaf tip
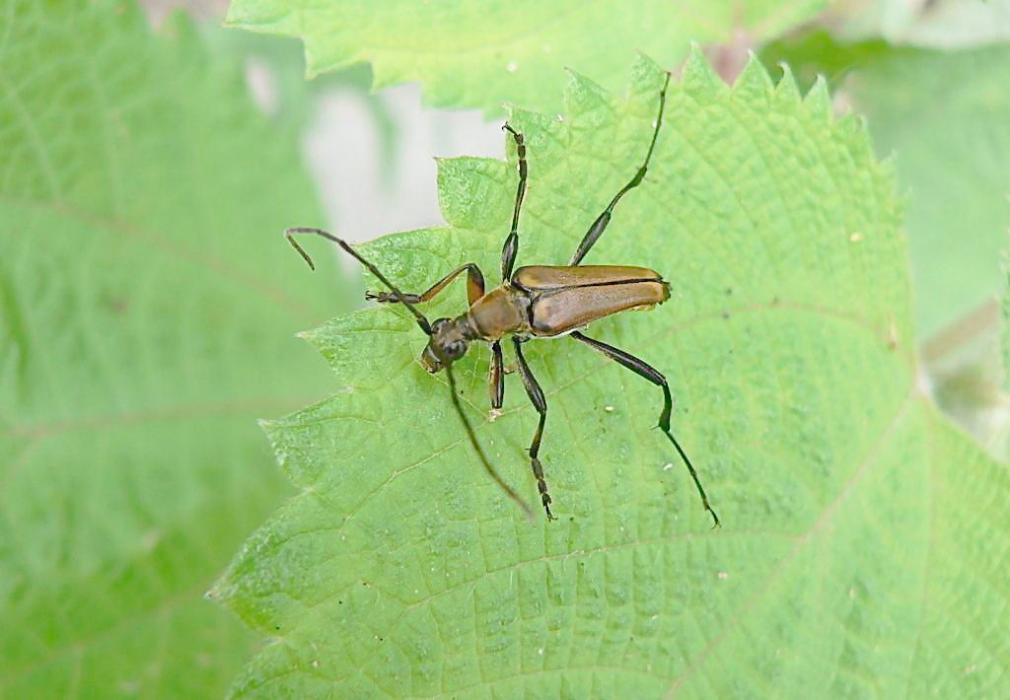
[787, 89]
[471, 191]
[647, 76]
[698, 76]
[818, 99]
[854, 127]
[889, 164]
[221, 591]
[584, 97]
[310, 336]
[753, 80]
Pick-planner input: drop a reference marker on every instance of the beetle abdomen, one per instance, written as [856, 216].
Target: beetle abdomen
[565, 309]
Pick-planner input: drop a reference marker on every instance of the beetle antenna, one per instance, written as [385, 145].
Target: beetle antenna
[480, 450]
[289, 233]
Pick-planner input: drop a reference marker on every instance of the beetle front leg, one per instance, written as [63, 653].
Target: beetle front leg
[474, 287]
[536, 395]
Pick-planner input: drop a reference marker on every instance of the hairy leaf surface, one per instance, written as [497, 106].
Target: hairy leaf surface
[862, 535]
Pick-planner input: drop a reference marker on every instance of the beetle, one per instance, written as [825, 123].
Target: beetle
[535, 301]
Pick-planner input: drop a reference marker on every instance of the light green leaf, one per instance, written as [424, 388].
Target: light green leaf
[863, 537]
[483, 53]
[951, 155]
[147, 312]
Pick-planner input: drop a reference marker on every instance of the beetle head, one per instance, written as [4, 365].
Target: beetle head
[449, 341]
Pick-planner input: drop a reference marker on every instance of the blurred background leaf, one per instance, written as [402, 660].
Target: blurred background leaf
[863, 536]
[945, 118]
[485, 53]
[147, 312]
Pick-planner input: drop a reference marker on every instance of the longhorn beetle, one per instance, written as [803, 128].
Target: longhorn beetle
[536, 301]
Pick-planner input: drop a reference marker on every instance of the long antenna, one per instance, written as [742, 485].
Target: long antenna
[480, 450]
[426, 327]
[290, 232]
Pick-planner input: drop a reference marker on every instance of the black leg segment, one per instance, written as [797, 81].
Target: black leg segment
[642, 369]
[511, 247]
[536, 395]
[600, 225]
[496, 378]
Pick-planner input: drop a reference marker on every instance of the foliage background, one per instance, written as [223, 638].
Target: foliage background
[148, 310]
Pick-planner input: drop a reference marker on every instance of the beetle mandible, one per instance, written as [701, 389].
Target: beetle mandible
[535, 301]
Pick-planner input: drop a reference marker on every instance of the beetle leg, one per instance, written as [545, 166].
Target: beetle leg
[474, 287]
[536, 395]
[511, 247]
[600, 225]
[646, 371]
[496, 380]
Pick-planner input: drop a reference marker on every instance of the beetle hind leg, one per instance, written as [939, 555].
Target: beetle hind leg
[536, 395]
[646, 371]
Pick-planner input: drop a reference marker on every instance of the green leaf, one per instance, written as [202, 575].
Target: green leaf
[863, 537]
[147, 311]
[950, 154]
[484, 53]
